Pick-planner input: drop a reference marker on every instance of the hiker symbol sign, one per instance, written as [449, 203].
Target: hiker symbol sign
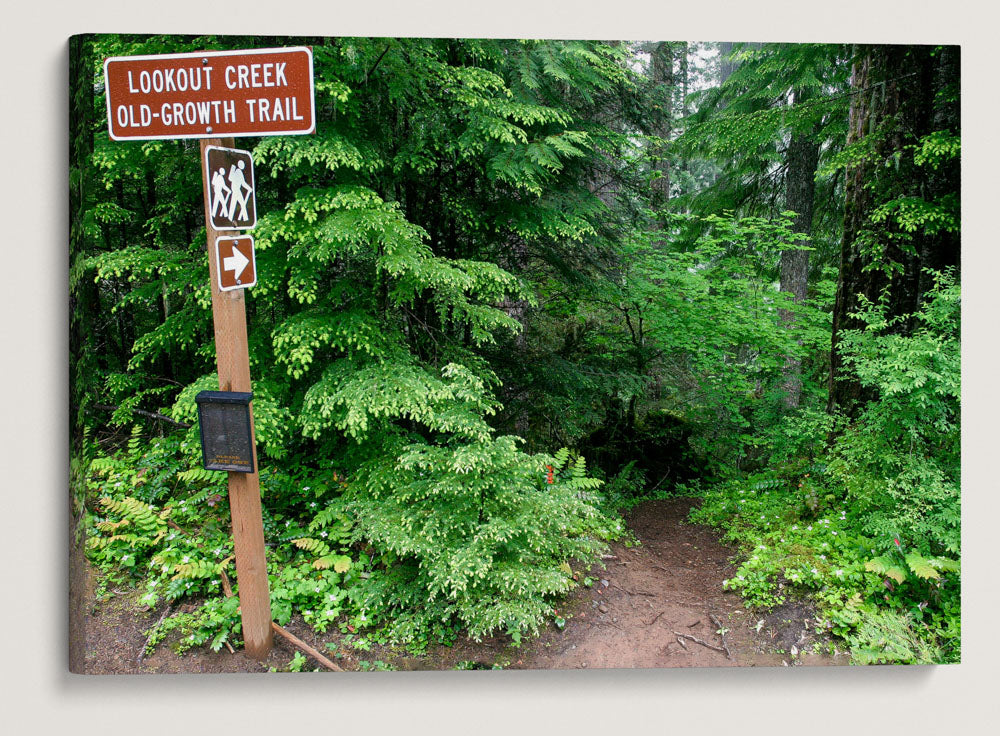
[232, 190]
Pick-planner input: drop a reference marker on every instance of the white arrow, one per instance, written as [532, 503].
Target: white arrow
[236, 262]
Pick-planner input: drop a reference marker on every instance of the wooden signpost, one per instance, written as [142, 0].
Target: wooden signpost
[208, 95]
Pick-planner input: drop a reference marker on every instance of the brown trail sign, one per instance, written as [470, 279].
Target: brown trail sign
[235, 263]
[207, 95]
[211, 93]
[234, 191]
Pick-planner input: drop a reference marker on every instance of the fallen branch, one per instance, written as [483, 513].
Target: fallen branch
[696, 640]
[377, 62]
[145, 644]
[658, 482]
[142, 413]
[721, 630]
[655, 618]
[226, 587]
[636, 592]
[606, 623]
[296, 641]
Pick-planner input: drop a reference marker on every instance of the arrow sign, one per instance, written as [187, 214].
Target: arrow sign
[236, 262]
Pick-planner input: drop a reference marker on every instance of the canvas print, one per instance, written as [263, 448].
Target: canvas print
[437, 354]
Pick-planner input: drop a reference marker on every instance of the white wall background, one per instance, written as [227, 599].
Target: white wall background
[38, 694]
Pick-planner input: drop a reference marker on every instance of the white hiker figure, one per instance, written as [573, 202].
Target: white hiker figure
[238, 183]
[220, 192]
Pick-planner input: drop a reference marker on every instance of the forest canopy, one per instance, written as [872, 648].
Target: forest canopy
[510, 288]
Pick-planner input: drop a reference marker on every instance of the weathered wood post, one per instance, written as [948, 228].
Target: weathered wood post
[232, 356]
[215, 96]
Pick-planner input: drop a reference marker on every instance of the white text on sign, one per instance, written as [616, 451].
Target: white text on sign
[236, 76]
[259, 92]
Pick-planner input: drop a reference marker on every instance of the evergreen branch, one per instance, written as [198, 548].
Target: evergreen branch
[147, 414]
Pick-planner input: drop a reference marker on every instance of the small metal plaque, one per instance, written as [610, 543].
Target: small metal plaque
[226, 437]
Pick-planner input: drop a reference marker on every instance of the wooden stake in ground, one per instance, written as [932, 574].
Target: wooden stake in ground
[306, 648]
[233, 359]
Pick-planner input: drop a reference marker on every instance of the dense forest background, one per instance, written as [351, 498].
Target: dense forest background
[714, 269]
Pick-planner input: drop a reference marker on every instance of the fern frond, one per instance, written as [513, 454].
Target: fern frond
[921, 567]
[135, 441]
[101, 542]
[103, 465]
[110, 526]
[945, 565]
[315, 546]
[197, 475]
[885, 566]
[141, 514]
[339, 563]
[195, 570]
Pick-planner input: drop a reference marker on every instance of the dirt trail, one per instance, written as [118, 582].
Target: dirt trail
[660, 604]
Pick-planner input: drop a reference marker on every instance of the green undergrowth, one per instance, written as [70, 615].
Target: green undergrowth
[862, 514]
[412, 549]
[894, 606]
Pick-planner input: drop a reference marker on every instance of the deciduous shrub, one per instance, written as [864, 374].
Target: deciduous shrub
[868, 525]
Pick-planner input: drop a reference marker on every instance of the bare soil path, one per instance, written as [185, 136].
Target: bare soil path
[659, 604]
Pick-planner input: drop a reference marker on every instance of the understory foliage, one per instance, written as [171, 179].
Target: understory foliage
[870, 526]
[417, 546]
[510, 287]
[478, 534]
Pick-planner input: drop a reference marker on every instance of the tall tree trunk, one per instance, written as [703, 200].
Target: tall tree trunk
[802, 157]
[870, 105]
[84, 295]
[663, 90]
[900, 95]
[726, 65]
[685, 78]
